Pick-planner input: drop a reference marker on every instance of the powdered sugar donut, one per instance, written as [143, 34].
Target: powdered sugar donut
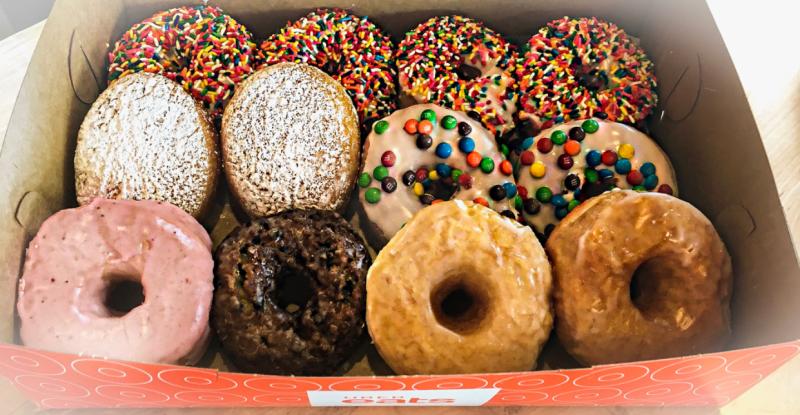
[83, 261]
[572, 162]
[290, 140]
[425, 154]
[146, 138]
[459, 63]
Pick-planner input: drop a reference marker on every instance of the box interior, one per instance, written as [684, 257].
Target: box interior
[704, 124]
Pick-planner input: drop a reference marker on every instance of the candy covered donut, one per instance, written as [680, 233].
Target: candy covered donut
[349, 48]
[459, 63]
[460, 289]
[200, 47]
[580, 68]
[425, 154]
[78, 291]
[569, 163]
[639, 276]
[290, 293]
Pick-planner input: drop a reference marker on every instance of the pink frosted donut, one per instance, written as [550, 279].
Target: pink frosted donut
[78, 292]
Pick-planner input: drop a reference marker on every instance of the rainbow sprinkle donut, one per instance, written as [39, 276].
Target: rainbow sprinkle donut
[458, 63]
[351, 49]
[581, 68]
[200, 47]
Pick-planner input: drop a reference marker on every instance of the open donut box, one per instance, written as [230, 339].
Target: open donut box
[704, 123]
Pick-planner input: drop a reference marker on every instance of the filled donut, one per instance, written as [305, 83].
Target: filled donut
[458, 63]
[460, 289]
[119, 279]
[425, 154]
[145, 138]
[351, 49]
[290, 140]
[200, 47]
[290, 293]
[567, 164]
[639, 276]
[576, 68]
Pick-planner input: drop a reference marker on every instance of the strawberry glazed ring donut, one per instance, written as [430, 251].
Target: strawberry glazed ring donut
[78, 293]
[460, 289]
[639, 276]
[580, 68]
[426, 154]
[459, 63]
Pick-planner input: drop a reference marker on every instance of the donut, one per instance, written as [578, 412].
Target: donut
[571, 162]
[459, 63]
[200, 47]
[639, 276]
[580, 68]
[460, 289]
[119, 279]
[351, 49]
[424, 154]
[146, 138]
[290, 293]
[290, 140]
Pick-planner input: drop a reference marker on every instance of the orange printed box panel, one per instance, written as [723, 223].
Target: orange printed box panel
[703, 123]
[64, 381]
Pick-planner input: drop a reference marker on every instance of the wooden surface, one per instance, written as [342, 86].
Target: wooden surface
[774, 95]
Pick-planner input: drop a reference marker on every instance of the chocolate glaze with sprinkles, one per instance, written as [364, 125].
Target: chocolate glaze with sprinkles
[580, 68]
[200, 47]
[458, 63]
[349, 48]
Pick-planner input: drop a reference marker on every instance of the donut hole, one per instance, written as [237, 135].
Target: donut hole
[645, 287]
[460, 304]
[293, 289]
[468, 72]
[123, 293]
[593, 78]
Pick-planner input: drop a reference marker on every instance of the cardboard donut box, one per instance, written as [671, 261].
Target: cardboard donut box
[704, 123]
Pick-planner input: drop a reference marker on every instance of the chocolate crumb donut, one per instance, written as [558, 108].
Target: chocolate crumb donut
[290, 293]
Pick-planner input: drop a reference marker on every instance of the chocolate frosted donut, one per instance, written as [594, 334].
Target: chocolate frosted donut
[290, 293]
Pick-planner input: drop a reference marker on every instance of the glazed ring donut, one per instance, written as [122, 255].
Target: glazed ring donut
[639, 276]
[580, 68]
[460, 289]
[459, 63]
[349, 48]
[290, 293]
[78, 290]
[200, 47]
[145, 138]
[425, 154]
[571, 162]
